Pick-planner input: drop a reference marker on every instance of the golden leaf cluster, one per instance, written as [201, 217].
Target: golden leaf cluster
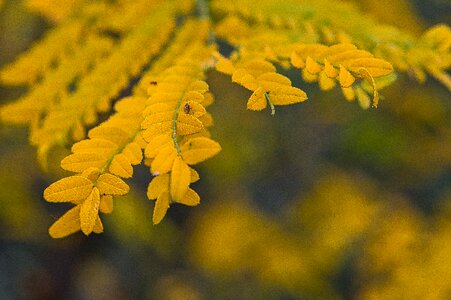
[162, 51]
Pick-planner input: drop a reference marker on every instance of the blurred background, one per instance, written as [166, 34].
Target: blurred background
[322, 201]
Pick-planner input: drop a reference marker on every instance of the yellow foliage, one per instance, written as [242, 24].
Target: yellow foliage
[54, 10]
[99, 49]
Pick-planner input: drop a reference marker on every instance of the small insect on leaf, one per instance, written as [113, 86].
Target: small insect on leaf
[187, 108]
[154, 83]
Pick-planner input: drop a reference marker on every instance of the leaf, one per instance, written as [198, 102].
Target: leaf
[160, 107]
[157, 123]
[271, 81]
[70, 189]
[111, 185]
[161, 207]
[91, 173]
[68, 224]
[191, 198]
[187, 124]
[106, 204]
[242, 77]
[362, 97]
[98, 226]
[199, 86]
[133, 153]
[156, 144]
[297, 61]
[208, 99]
[89, 211]
[199, 149]
[325, 83]
[257, 67]
[338, 49]
[312, 66]
[194, 175]
[349, 93]
[330, 70]
[376, 67]
[225, 66]
[114, 134]
[346, 79]
[257, 100]
[286, 95]
[158, 185]
[180, 178]
[341, 58]
[79, 162]
[163, 161]
[193, 96]
[94, 146]
[120, 166]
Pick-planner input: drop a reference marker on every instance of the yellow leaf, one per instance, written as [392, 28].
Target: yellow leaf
[132, 104]
[193, 96]
[199, 86]
[346, 79]
[191, 198]
[91, 173]
[158, 185]
[207, 120]
[113, 134]
[120, 166]
[68, 224]
[70, 189]
[106, 204]
[180, 178]
[312, 66]
[376, 67]
[287, 95]
[271, 81]
[133, 153]
[349, 93]
[308, 77]
[98, 226]
[242, 77]
[342, 57]
[157, 123]
[330, 70]
[194, 175]
[199, 149]
[325, 83]
[187, 124]
[163, 160]
[111, 185]
[338, 49]
[297, 61]
[208, 99]
[161, 107]
[79, 162]
[313, 50]
[257, 67]
[362, 97]
[89, 211]
[161, 207]
[257, 100]
[225, 66]
[156, 144]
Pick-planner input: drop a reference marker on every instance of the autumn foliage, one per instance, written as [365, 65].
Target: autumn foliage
[162, 52]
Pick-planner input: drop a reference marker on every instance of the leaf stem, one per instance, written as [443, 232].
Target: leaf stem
[174, 126]
[271, 105]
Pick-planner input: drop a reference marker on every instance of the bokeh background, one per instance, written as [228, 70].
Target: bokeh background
[321, 201]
